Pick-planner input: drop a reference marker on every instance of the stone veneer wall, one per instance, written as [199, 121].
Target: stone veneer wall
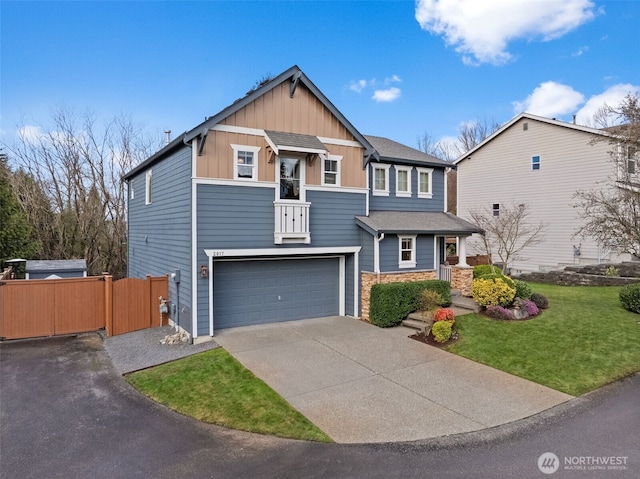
[462, 279]
[369, 279]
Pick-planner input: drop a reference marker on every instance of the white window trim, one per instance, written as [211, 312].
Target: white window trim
[338, 160]
[539, 163]
[409, 170]
[147, 190]
[132, 193]
[422, 194]
[303, 179]
[407, 264]
[252, 149]
[384, 192]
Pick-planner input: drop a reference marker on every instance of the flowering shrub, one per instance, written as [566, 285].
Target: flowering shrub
[441, 331]
[498, 312]
[491, 292]
[540, 300]
[530, 307]
[444, 314]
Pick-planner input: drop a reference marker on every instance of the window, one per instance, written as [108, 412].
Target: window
[245, 162]
[331, 170]
[425, 176]
[131, 190]
[290, 178]
[147, 197]
[535, 163]
[631, 160]
[407, 256]
[381, 180]
[496, 209]
[403, 181]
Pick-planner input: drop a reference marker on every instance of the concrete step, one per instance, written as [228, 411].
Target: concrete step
[464, 303]
[413, 324]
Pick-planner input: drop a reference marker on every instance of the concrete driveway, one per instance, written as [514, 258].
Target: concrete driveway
[363, 384]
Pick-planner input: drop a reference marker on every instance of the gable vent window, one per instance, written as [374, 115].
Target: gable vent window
[525, 126]
[535, 163]
[496, 209]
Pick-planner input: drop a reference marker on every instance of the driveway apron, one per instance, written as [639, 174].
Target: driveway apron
[363, 384]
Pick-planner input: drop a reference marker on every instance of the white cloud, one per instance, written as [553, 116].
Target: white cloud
[550, 99]
[358, 86]
[392, 79]
[481, 30]
[580, 51]
[30, 134]
[613, 96]
[390, 94]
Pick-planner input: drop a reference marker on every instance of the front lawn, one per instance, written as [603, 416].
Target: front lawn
[582, 342]
[213, 387]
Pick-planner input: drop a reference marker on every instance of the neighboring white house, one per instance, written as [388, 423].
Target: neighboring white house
[539, 162]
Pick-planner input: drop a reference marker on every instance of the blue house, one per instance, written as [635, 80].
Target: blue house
[278, 209]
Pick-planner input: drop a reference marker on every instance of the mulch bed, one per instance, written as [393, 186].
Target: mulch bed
[428, 339]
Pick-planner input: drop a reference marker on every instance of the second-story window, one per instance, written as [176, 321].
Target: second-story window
[245, 162]
[535, 162]
[403, 181]
[148, 187]
[331, 170]
[425, 176]
[381, 180]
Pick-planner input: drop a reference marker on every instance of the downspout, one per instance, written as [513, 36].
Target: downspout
[376, 256]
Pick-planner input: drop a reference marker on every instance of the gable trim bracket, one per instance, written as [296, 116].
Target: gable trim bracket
[203, 137]
[295, 79]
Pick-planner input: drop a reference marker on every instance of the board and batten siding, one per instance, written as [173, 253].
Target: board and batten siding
[412, 203]
[500, 173]
[160, 233]
[238, 217]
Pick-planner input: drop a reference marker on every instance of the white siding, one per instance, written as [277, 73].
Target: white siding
[500, 172]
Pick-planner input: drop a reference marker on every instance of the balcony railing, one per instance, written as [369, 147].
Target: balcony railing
[291, 222]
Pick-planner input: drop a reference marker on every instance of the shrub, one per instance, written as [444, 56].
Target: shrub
[612, 271]
[483, 269]
[523, 290]
[441, 331]
[504, 278]
[444, 314]
[492, 291]
[630, 297]
[530, 307]
[430, 300]
[540, 300]
[498, 312]
[392, 302]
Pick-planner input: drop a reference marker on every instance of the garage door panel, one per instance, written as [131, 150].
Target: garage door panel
[264, 291]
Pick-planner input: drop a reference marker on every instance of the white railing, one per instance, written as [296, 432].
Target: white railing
[444, 273]
[291, 222]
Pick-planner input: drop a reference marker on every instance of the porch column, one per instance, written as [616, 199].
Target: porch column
[462, 251]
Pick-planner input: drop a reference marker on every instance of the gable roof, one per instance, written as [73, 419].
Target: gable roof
[529, 116]
[418, 222]
[295, 76]
[397, 152]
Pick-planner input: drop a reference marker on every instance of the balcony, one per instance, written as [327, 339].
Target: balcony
[291, 222]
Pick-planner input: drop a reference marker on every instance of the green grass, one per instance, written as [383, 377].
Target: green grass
[582, 342]
[215, 388]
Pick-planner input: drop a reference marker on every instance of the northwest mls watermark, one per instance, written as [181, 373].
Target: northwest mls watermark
[549, 463]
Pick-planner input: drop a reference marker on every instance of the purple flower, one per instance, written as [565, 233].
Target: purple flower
[530, 307]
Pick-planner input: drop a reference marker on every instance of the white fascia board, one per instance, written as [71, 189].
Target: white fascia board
[338, 189]
[299, 149]
[339, 142]
[239, 253]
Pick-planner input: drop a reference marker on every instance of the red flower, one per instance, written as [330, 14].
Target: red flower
[444, 314]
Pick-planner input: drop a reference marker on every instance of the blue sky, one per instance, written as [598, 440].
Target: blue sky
[394, 68]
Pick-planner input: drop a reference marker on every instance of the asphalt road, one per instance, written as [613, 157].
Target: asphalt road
[65, 412]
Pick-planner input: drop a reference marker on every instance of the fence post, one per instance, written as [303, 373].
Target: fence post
[108, 304]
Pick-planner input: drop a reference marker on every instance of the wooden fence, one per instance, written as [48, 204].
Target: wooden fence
[48, 307]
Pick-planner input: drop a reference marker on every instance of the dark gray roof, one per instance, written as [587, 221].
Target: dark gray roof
[56, 265]
[394, 151]
[419, 222]
[295, 140]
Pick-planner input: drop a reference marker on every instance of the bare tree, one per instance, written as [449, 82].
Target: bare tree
[507, 232]
[474, 133]
[611, 211]
[70, 182]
